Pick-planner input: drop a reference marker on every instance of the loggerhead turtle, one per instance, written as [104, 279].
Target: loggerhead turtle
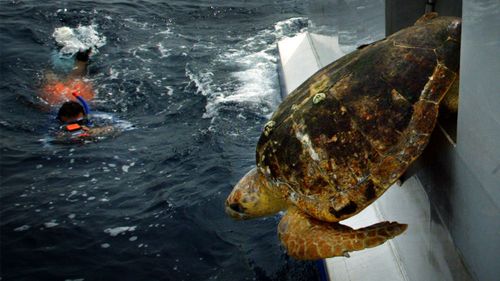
[337, 142]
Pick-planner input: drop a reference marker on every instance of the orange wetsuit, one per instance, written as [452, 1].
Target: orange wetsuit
[58, 92]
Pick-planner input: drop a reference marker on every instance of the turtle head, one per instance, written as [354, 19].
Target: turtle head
[252, 197]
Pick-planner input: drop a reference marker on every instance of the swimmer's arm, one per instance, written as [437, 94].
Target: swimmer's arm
[87, 134]
[81, 63]
[102, 131]
[80, 69]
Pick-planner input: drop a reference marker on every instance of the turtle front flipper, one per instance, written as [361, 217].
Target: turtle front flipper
[309, 239]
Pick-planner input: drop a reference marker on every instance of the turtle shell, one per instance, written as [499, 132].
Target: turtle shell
[346, 134]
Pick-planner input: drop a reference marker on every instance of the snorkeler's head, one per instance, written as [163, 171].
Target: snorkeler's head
[70, 111]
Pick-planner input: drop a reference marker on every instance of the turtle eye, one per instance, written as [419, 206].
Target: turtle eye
[237, 207]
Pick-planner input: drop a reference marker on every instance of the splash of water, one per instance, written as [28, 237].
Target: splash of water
[71, 40]
[256, 81]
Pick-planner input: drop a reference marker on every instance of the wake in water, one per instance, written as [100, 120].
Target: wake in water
[255, 85]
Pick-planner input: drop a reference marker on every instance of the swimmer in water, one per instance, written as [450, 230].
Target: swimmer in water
[57, 91]
[75, 125]
[73, 114]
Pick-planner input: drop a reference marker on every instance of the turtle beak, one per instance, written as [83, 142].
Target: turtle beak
[235, 209]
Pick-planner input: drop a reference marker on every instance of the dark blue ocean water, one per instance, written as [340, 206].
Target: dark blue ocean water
[197, 80]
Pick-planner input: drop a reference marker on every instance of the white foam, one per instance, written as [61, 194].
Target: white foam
[125, 168]
[118, 123]
[163, 51]
[170, 90]
[202, 81]
[289, 27]
[120, 229]
[50, 224]
[167, 31]
[80, 38]
[22, 228]
[257, 81]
